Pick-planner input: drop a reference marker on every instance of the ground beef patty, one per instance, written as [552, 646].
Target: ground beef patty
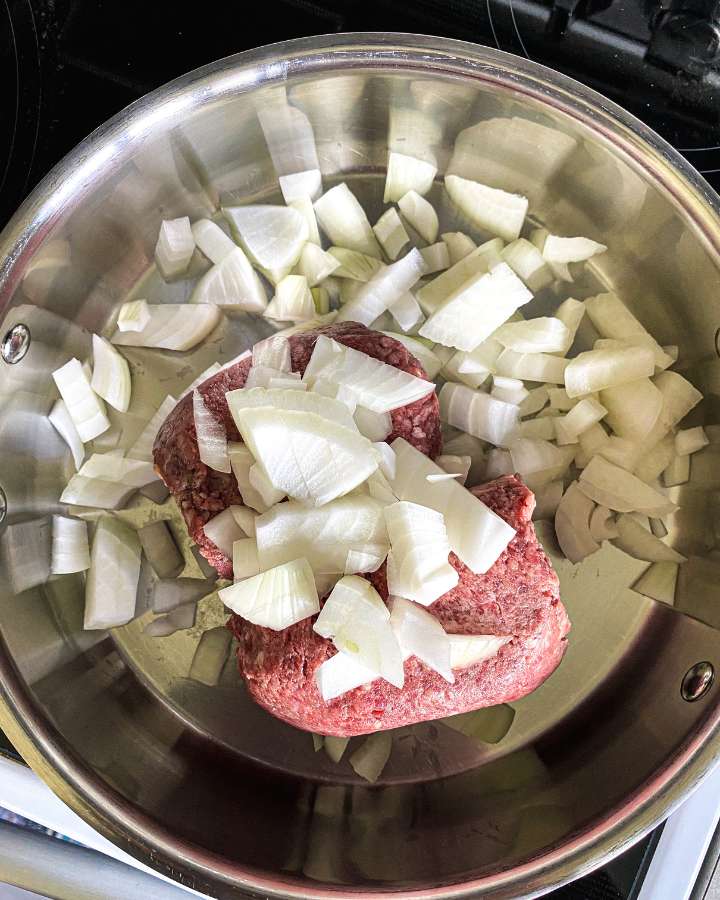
[202, 493]
[519, 596]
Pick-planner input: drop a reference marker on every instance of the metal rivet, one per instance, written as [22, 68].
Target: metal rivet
[16, 344]
[3, 505]
[697, 681]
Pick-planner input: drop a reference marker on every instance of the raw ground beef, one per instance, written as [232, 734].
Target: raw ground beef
[202, 493]
[519, 596]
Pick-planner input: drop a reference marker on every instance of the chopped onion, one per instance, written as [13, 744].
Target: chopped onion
[377, 385]
[511, 390]
[212, 241]
[245, 558]
[210, 656]
[429, 361]
[657, 526]
[420, 634]
[160, 549]
[528, 263]
[241, 461]
[84, 407]
[407, 312]
[469, 649]
[335, 747]
[597, 370]
[479, 366]
[539, 462]
[455, 465]
[60, 420]
[642, 544]
[582, 416]
[275, 599]
[572, 524]
[369, 558]
[211, 436]
[223, 530]
[262, 484]
[111, 585]
[488, 208]
[133, 316]
[570, 312]
[304, 206]
[570, 249]
[547, 500]
[591, 442]
[613, 319]
[245, 519]
[435, 257]
[532, 366]
[292, 301]
[272, 235]
[658, 582]
[386, 456]
[112, 466]
[542, 429]
[174, 326]
[343, 220]
[175, 247]
[111, 374]
[417, 564]
[679, 397]
[475, 533]
[261, 376]
[323, 536]
[354, 265]
[325, 462]
[541, 335]
[231, 283]
[273, 398]
[375, 426]
[301, 184]
[143, 446]
[459, 245]
[371, 757]
[357, 621]
[611, 486]
[621, 452]
[560, 400]
[25, 549]
[690, 440]
[273, 352]
[434, 294]
[498, 462]
[478, 413]
[677, 472]
[633, 408]
[70, 549]
[672, 351]
[383, 290]
[82, 491]
[315, 264]
[340, 674]
[603, 526]
[535, 401]
[480, 306]
[420, 214]
[390, 232]
[406, 173]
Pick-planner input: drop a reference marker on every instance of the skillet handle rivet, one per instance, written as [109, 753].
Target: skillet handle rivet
[697, 681]
[15, 344]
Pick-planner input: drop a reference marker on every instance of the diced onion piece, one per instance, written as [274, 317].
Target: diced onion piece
[658, 582]
[245, 519]
[301, 184]
[478, 414]
[160, 549]
[570, 312]
[435, 257]
[459, 245]
[211, 436]
[275, 599]
[602, 524]
[511, 390]
[223, 530]
[383, 290]
[433, 295]
[475, 533]
[541, 429]
[315, 264]
[377, 385]
[657, 526]
[539, 462]
[375, 426]
[690, 440]
[677, 472]
[591, 442]
[480, 306]
[532, 366]
[85, 408]
[488, 208]
[82, 491]
[60, 420]
[231, 283]
[323, 536]
[535, 401]
[407, 312]
[355, 265]
[70, 549]
[498, 462]
[304, 206]
[111, 374]
[371, 757]
[335, 747]
[528, 263]
[642, 544]
[455, 465]
[143, 446]
[212, 241]
[621, 452]
[175, 247]
[560, 400]
[420, 214]
[273, 352]
[343, 220]
[420, 634]
[273, 235]
[479, 367]
[572, 524]
[570, 249]
[547, 500]
[340, 674]
[288, 384]
[422, 353]
[542, 335]
[292, 301]
[111, 585]
[633, 408]
[366, 559]
[390, 232]
[611, 486]
[672, 351]
[406, 173]
[613, 319]
[174, 326]
[679, 397]
[254, 398]
[417, 564]
[210, 656]
[654, 460]
[112, 466]
[325, 462]
[357, 621]
[241, 461]
[262, 484]
[245, 558]
[582, 416]
[261, 376]
[133, 316]
[469, 649]
[597, 370]
[386, 455]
